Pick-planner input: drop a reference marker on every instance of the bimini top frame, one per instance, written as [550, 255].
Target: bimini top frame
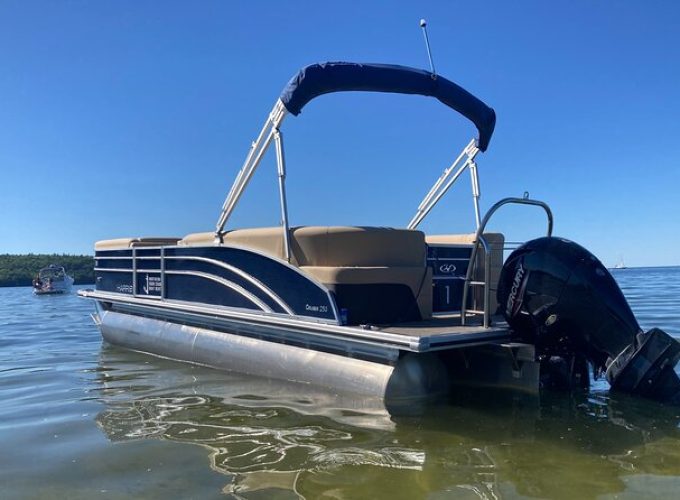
[318, 79]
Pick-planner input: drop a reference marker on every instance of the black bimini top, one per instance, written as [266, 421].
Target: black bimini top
[324, 78]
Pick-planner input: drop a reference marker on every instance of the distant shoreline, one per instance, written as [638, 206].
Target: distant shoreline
[19, 270]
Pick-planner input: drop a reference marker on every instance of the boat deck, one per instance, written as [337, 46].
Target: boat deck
[446, 331]
[442, 325]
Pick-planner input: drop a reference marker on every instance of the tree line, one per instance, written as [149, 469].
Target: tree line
[19, 270]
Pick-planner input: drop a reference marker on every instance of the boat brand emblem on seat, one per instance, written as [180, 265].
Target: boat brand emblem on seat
[447, 268]
[516, 292]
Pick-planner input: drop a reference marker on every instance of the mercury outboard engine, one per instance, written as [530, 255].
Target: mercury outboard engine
[558, 296]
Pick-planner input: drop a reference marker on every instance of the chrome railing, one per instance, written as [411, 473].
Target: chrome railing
[480, 240]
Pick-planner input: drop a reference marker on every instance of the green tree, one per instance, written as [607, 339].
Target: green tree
[19, 270]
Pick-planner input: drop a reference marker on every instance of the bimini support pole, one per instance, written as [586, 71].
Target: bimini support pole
[474, 177]
[281, 168]
[257, 150]
[446, 180]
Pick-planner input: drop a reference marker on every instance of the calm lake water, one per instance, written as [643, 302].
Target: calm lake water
[81, 419]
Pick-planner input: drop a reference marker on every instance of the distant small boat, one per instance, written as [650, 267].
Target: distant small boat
[620, 264]
[52, 280]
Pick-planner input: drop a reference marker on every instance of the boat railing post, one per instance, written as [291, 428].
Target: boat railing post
[474, 177]
[487, 286]
[162, 273]
[134, 271]
[281, 168]
[479, 238]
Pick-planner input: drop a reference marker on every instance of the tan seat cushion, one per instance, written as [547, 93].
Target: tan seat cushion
[494, 239]
[122, 243]
[328, 245]
[268, 240]
[358, 246]
[198, 239]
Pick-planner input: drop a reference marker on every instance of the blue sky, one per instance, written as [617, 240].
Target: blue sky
[132, 118]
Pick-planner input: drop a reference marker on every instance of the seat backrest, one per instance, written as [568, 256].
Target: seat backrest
[328, 246]
[340, 246]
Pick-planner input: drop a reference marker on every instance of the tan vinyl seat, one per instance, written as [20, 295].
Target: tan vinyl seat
[327, 245]
[358, 246]
[496, 242]
[350, 261]
[122, 243]
[379, 273]
[268, 240]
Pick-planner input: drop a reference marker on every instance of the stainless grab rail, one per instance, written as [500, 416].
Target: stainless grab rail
[479, 238]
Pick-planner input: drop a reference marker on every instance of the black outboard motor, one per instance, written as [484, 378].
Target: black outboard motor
[558, 296]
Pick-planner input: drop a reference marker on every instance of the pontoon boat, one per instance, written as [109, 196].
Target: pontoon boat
[386, 312]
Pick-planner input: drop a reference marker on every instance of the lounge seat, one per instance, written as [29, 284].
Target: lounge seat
[378, 274]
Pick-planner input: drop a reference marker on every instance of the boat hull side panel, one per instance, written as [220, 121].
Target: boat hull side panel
[303, 296]
[219, 275]
[199, 289]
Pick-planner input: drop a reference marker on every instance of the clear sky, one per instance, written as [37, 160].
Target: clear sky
[131, 118]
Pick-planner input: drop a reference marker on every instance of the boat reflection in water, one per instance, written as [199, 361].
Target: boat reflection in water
[290, 441]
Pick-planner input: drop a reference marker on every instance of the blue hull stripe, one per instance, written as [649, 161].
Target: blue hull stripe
[229, 284]
[243, 275]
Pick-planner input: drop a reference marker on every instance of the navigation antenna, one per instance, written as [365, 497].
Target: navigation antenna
[423, 24]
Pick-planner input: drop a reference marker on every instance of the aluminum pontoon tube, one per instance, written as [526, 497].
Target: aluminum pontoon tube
[414, 377]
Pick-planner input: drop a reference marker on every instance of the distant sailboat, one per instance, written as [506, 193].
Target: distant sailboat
[620, 264]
